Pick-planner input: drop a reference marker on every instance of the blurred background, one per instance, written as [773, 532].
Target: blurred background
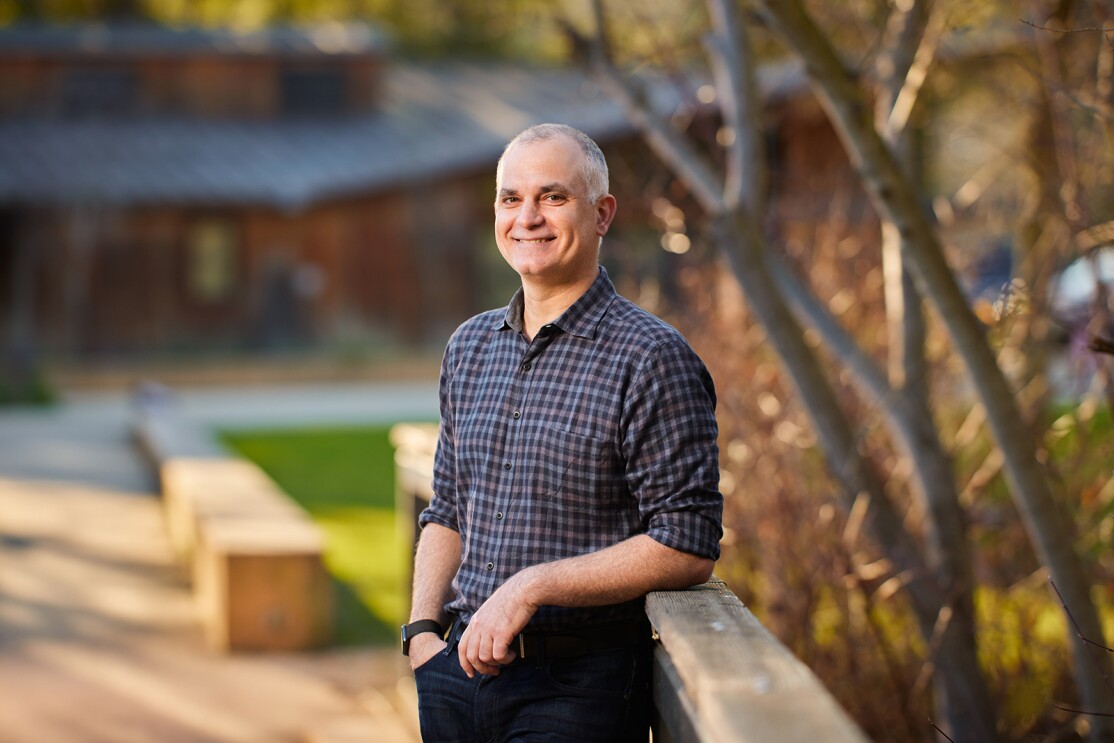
[287, 204]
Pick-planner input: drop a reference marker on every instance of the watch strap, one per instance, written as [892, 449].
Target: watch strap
[410, 631]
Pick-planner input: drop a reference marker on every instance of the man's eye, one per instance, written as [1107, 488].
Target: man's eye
[554, 197]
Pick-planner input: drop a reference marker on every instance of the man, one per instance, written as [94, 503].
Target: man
[576, 470]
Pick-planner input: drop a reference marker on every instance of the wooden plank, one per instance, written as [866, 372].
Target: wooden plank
[162, 435]
[361, 729]
[675, 719]
[262, 586]
[744, 685]
[198, 490]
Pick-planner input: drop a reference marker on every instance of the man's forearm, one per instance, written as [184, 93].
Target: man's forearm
[622, 572]
[435, 564]
[613, 575]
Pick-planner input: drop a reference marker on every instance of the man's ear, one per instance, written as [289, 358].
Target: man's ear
[605, 213]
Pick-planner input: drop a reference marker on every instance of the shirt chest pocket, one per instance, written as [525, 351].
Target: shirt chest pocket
[577, 473]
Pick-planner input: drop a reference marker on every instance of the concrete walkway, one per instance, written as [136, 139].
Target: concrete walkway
[99, 641]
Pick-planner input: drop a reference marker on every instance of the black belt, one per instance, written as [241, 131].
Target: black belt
[571, 643]
[581, 641]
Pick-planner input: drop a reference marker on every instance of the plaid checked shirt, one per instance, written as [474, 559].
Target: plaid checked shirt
[600, 429]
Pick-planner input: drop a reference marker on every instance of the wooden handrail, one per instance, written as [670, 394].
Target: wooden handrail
[719, 675]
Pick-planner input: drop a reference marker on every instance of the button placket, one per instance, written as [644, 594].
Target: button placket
[509, 454]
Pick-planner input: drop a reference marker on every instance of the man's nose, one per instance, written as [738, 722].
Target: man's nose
[529, 215]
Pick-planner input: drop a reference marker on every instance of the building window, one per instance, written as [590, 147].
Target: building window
[99, 92]
[211, 261]
[310, 92]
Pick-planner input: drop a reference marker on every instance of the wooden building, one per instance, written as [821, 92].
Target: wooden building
[169, 190]
[179, 191]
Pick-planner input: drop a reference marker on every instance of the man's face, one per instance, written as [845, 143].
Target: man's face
[546, 228]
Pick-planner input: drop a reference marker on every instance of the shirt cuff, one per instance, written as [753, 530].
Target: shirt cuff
[432, 516]
[687, 531]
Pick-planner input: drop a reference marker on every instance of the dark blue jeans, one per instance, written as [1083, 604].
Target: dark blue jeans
[598, 698]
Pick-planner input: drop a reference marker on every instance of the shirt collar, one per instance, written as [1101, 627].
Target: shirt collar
[581, 319]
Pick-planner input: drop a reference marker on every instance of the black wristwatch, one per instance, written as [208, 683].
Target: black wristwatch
[412, 630]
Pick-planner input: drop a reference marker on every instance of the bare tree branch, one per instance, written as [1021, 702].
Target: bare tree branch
[672, 148]
[903, 105]
[1082, 30]
[744, 181]
[865, 372]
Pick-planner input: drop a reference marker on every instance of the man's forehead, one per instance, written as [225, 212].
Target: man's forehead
[555, 162]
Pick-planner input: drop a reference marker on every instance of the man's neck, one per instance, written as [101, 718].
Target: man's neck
[542, 304]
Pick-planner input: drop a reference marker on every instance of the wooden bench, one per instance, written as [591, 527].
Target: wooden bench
[254, 555]
[719, 675]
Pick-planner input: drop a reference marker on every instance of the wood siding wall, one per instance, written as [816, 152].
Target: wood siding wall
[209, 86]
[399, 267]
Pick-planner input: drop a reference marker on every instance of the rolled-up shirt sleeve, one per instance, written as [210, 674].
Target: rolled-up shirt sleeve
[442, 507]
[671, 452]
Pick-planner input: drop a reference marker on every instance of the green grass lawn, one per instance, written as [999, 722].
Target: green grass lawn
[344, 478]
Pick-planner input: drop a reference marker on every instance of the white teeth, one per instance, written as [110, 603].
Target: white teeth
[535, 242]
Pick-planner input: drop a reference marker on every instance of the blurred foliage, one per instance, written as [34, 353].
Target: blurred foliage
[512, 29]
[26, 389]
[344, 478]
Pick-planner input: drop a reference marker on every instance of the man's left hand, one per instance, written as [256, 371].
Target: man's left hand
[486, 645]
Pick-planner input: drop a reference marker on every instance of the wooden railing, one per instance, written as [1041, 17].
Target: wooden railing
[719, 675]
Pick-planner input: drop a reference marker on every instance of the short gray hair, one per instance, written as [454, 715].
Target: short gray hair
[595, 164]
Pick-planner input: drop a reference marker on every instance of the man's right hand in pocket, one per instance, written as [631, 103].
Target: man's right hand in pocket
[423, 647]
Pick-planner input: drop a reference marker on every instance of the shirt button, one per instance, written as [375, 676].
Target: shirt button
[499, 516]
[526, 366]
[517, 415]
[506, 465]
[490, 566]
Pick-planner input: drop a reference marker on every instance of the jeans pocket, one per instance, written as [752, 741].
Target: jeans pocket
[429, 661]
